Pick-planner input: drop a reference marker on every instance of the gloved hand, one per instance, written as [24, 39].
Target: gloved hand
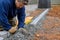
[13, 30]
[14, 23]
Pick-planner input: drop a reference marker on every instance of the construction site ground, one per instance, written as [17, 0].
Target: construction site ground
[50, 28]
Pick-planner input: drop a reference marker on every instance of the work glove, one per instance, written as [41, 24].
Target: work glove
[14, 23]
[13, 30]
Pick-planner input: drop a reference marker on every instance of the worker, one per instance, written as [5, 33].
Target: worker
[8, 10]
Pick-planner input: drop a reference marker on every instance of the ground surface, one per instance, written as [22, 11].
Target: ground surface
[50, 29]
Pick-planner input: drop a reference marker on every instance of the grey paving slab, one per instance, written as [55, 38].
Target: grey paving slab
[4, 34]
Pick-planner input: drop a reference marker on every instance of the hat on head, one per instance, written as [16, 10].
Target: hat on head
[23, 1]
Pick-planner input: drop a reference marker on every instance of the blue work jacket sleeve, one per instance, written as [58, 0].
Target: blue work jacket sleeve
[3, 15]
[21, 17]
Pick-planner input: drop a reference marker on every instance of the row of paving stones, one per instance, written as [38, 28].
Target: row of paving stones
[28, 35]
[20, 35]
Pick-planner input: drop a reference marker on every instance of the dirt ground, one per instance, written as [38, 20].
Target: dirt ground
[55, 11]
[35, 12]
[50, 26]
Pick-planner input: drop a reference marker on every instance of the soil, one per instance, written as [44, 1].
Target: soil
[55, 11]
[50, 29]
[36, 12]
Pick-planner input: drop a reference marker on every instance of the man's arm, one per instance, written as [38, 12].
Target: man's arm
[21, 17]
[3, 15]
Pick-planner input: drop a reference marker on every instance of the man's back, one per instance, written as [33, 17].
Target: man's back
[8, 6]
[7, 11]
[4, 8]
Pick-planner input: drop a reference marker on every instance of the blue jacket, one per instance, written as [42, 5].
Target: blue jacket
[8, 10]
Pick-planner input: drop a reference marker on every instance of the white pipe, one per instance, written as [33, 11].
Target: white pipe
[39, 17]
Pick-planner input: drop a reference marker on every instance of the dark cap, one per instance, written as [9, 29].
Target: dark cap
[23, 1]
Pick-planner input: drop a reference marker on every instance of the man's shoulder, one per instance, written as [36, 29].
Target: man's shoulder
[4, 2]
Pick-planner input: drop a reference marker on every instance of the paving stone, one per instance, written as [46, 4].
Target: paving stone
[4, 34]
[1, 38]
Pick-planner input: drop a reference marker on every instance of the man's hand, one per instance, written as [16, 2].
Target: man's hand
[13, 30]
[14, 26]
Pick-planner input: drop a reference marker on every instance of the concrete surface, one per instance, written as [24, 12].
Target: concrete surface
[30, 8]
[4, 34]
